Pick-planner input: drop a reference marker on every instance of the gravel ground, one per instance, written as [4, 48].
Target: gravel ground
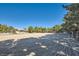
[41, 44]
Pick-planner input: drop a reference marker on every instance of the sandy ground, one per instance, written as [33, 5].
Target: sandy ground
[21, 36]
[38, 44]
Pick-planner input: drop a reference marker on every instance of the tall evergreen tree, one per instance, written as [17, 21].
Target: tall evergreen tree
[72, 19]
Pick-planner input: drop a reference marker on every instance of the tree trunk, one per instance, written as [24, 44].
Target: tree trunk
[74, 34]
[77, 35]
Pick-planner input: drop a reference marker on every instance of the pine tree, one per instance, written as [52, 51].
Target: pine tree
[72, 19]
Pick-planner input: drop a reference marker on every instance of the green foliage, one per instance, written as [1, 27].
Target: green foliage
[57, 28]
[30, 29]
[43, 29]
[71, 19]
[6, 29]
[10, 29]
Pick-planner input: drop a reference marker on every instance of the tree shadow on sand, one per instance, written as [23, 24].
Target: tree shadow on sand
[49, 45]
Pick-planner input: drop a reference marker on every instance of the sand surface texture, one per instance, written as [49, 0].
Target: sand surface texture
[38, 44]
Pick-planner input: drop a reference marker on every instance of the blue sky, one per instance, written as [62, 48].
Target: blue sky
[31, 14]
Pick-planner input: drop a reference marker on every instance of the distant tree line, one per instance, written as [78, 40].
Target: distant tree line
[10, 29]
[56, 28]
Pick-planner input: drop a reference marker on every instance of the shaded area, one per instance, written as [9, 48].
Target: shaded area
[59, 44]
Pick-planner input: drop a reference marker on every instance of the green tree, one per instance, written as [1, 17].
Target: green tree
[30, 29]
[7, 29]
[71, 19]
[57, 28]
